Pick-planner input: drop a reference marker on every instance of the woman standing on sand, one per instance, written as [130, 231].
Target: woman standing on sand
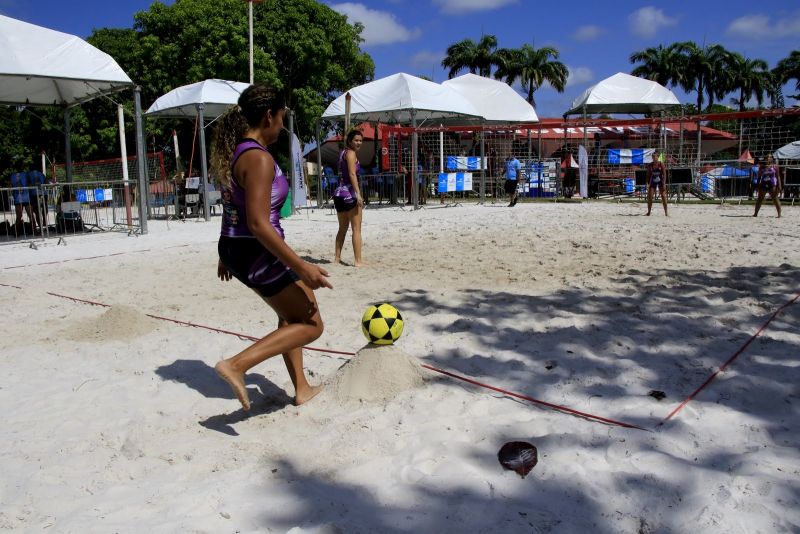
[656, 179]
[769, 180]
[251, 246]
[347, 198]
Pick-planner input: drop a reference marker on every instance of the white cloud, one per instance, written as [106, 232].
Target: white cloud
[466, 6]
[649, 20]
[588, 33]
[425, 58]
[380, 27]
[579, 75]
[761, 27]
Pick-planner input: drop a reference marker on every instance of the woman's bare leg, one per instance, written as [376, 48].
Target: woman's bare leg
[650, 191]
[355, 223]
[664, 199]
[776, 200]
[759, 199]
[296, 306]
[344, 222]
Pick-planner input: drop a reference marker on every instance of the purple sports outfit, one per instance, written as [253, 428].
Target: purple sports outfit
[769, 177]
[656, 176]
[240, 251]
[344, 197]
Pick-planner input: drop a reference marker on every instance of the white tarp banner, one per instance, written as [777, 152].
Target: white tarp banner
[583, 170]
[299, 196]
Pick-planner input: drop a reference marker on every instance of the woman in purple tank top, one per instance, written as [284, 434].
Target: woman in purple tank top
[251, 246]
[769, 181]
[347, 198]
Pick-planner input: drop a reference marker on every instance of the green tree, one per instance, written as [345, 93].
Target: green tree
[532, 67]
[703, 71]
[300, 46]
[749, 77]
[478, 58]
[660, 64]
[788, 69]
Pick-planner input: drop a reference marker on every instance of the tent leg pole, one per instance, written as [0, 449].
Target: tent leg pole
[203, 162]
[67, 145]
[140, 158]
[319, 165]
[483, 166]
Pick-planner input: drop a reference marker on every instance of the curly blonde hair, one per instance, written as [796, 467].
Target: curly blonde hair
[254, 103]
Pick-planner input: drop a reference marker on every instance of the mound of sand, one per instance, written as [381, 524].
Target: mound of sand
[375, 374]
[120, 323]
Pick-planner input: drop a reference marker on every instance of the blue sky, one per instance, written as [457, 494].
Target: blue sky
[594, 38]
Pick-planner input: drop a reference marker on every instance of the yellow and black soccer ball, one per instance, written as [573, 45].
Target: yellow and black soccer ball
[382, 324]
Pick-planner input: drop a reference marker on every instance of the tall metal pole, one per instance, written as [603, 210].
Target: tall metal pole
[140, 158]
[292, 169]
[250, 23]
[67, 146]
[414, 172]
[483, 165]
[203, 162]
[320, 192]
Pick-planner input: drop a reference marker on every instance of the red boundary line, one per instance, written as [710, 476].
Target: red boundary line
[557, 407]
[533, 400]
[9, 285]
[730, 360]
[88, 258]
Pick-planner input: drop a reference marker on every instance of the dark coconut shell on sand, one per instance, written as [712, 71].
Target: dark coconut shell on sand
[518, 456]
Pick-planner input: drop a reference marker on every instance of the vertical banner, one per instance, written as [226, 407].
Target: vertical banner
[299, 196]
[583, 170]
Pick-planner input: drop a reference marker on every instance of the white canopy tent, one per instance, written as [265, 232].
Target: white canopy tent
[790, 151]
[206, 99]
[495, 101]
[623, 93]
[216, 96]
[44, 67]
[402, 99]
[40, 66]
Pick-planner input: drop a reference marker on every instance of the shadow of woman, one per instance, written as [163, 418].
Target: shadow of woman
[265, 398]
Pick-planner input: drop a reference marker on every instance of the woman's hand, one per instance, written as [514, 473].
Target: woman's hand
[359, 201]
[222, 272]
[314, 276]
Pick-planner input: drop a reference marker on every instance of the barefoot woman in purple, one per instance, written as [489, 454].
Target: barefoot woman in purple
[251, 245]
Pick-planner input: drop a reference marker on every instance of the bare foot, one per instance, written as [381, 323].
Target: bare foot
[306, 395]
[361, 264]
[235, 380]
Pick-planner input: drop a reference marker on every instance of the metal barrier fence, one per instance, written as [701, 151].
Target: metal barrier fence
[94, 206]
[16, 204]
[613, 152]
[54, 210]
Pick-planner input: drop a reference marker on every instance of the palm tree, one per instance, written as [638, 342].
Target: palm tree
[659, 64]
[789, 69]
[532, 67]
[750, 77]
[703, 71]
[478, 57]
